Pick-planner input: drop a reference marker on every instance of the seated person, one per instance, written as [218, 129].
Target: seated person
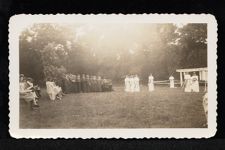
[205, 105]
[35, 88]
[53, 90]
[27, 93]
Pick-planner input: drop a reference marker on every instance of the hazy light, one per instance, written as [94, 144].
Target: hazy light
[180, 25]
[131, 51]
[29, 39]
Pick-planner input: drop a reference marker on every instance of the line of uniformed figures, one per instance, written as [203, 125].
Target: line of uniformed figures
[85, 83]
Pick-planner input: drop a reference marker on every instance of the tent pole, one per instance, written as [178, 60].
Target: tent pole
[181, 79]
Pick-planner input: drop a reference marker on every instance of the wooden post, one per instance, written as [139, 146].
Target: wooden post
[181, 79]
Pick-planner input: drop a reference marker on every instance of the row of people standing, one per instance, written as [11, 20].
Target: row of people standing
[85, 83]
[191, 83]
[132, 83]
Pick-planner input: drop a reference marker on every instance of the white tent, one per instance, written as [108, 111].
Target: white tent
[203, 73]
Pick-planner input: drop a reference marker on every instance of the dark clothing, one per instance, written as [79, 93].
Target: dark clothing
[84, 85]
[67, 85]
[88, 85]
[78, 86]
[37, 91]
[99, 85]
[74, 87]
[95, 85]
[59, 82]
[106, 85]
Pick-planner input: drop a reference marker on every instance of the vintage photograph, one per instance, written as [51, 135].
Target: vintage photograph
[124, 74]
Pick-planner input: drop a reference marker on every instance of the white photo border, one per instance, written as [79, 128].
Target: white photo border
[18, 22]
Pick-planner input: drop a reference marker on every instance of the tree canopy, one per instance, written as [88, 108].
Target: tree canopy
[112, 50]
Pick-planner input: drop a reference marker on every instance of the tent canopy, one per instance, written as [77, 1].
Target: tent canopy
[203, 73]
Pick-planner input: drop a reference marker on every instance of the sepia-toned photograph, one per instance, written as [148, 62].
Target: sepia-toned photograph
[96, 73]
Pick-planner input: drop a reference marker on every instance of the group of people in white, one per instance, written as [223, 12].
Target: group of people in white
[191, 83]
[132, 83]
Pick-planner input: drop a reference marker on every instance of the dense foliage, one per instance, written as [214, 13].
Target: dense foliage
[111, 50]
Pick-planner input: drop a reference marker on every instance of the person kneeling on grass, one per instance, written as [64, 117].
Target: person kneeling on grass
[54, 91]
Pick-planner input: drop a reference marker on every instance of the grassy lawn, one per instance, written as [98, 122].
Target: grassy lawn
[163, 108]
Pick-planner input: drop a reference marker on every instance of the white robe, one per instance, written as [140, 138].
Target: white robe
[129, 84]
[126, 84]
[132, 85]
[136, 84]
[151, 83]
[171, 78]
[194, 83]
[205, 104]
[52, 90]
[187, 78]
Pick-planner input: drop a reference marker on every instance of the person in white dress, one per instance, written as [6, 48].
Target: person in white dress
[171, 78]
[151, 83]
[194, 83]
[205, 105]
[53, 90]
[126, 81]
[136, 84]
[132, 84]
[187, 83]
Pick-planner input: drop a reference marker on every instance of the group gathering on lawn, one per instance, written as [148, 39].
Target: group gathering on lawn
[70, 83]
[191, 83]
[56, 89]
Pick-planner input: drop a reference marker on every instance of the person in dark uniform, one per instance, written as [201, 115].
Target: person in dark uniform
[107, 85]
[83, 83]
[88, 83]
[95, 87]
[91, 83]
[78, 83]
[70, 83]
[74, 85]
[59, 81]
[66, 83]
[99, 84]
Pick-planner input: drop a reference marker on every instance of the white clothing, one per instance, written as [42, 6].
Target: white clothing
[132, 85]
[52, 89]
[194, 83]
[171, 78]
[205, 104]
[126, 84]
[151, 83]
[136, 84]
[187, 83]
